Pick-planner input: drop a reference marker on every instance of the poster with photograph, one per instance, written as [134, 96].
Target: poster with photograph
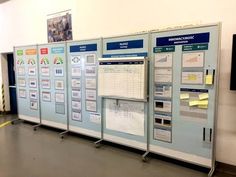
[34, 105]
[58, 72]
[90, 59]
[45, 71]
[33, 94]
[59, 26]
[90, 71]
[75, 60]
[32, 83]
[76, 71]
[22, 93]
[46, 96]
[76, 116]
[90, 83]
[76, 94]
[75, 83]
[32, 71]
[59, 84]
[76, 105]
[45, 83]
[59, 97]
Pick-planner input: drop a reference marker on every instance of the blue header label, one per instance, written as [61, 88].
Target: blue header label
[56, 50]
[83, 48]
[121, 45]
[183, 39]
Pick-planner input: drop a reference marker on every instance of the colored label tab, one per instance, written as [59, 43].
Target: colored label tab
[30, 52]
[56, 50]
[183, 39]
[44, 51]
[195, 47]
[19, 52]
[122, 45]
[164, 49]
[83, 48]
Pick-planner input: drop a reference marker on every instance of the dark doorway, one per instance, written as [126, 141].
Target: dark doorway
[12, 84]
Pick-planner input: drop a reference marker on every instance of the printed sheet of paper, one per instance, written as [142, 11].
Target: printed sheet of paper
[126, 116]
[192, 60]
[91, 106]
[163, 75]
[192, 77]
[122, 78]
[91, 94]
[162, 134]
[95, 118]
[59, 97]
[163, 60]
[90, 83]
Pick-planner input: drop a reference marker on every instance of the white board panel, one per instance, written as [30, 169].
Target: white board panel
[125, 116]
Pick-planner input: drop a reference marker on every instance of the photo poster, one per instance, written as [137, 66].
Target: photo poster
[59, 26]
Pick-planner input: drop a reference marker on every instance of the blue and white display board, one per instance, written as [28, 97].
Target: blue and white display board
[122, 85]
[183, 92]
[84, 105]
[26, 64]
[53, 84]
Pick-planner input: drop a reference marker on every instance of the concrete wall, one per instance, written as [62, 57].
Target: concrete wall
[24, 22]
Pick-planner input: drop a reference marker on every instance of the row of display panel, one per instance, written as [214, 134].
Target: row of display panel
[58, 86]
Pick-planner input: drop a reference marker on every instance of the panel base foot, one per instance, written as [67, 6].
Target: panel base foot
[62, 134]
[144, 156]
[98, 143]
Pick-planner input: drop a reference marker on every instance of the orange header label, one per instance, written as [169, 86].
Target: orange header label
[30, 52]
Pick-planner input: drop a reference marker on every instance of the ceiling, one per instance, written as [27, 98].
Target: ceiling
[2, 1]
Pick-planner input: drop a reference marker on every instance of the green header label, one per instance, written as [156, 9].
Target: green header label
[19, 52]
[164, 49]
[195, 47]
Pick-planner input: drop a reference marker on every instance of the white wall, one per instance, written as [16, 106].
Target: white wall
[24, 22]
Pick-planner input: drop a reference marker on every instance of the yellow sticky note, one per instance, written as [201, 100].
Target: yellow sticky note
[184, 96]
[203, 96]
[203, 106]
[193, 103]
[209, 80]
[202, 103]
[192, 77]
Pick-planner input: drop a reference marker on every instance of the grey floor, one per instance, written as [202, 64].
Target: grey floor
[26, 153]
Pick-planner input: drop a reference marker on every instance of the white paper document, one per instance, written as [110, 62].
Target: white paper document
[91, 106]
[91, 94]
[76, 94]
[162, 134]
[90, 83]
[76, 116]
[76, 71]
[122, 78]
[59, 97]
[192, 77]
[95, 118]
[195, 59]
[125, 116]
[163, 75]
[76, 105]
[163, 60]
[75, 60]
[75, 83]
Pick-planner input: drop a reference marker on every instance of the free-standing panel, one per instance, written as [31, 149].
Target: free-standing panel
[53, 84]
[26, 63]
[83, 103]
[125, 120]
[183, 91]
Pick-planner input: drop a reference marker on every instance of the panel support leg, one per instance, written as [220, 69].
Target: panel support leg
[98, 143]
[144, 156]
[62, 134]
[35, 127]
[210, 174]
[16, 121]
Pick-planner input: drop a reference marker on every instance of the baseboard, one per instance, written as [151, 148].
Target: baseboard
[226, 168]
